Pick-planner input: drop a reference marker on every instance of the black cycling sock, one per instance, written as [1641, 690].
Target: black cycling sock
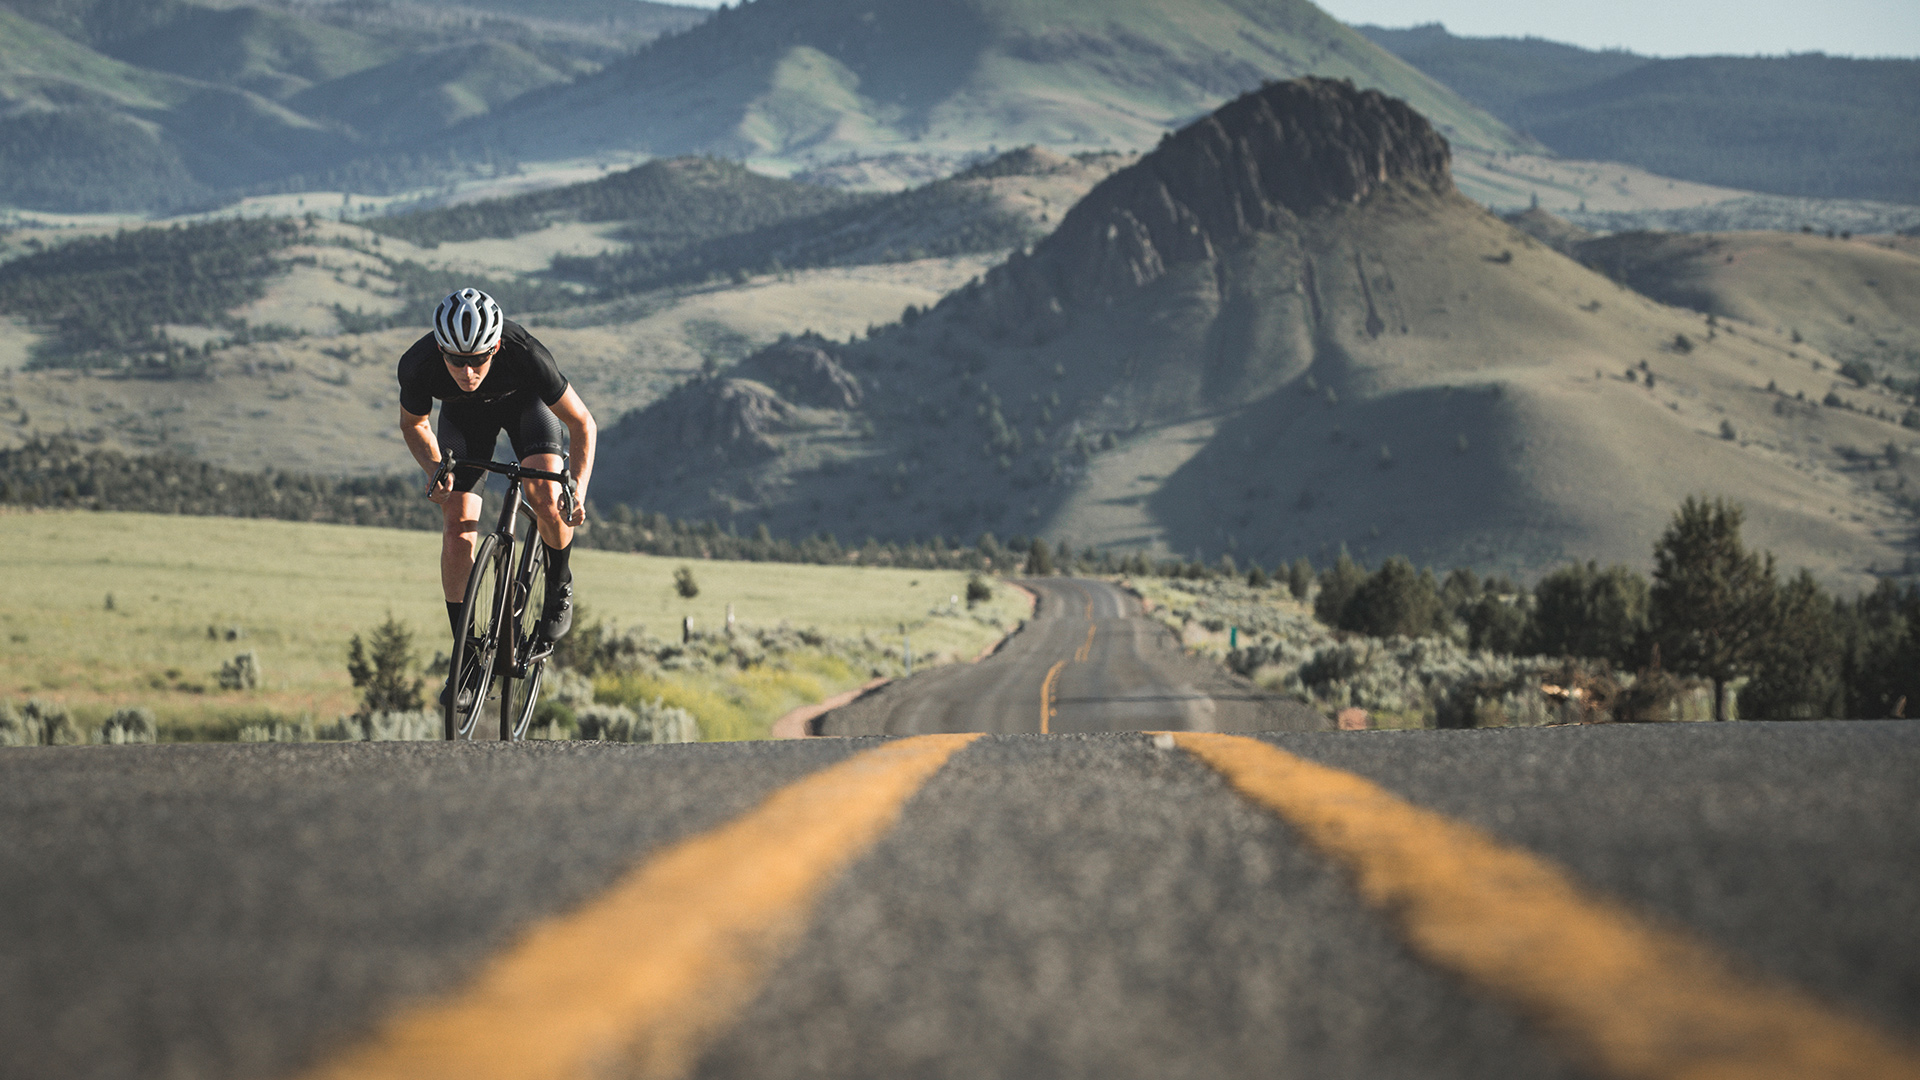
[455, 609]
[557, 561]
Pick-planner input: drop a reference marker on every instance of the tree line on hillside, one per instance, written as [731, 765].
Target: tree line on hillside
[104, 298]
[673, 203]
[1711, 608]
[58, 474]
[964, 220]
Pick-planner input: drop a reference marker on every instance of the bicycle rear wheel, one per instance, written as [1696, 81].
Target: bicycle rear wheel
[476, 646]
[520, 687]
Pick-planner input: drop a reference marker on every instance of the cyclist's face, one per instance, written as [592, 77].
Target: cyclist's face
[468, 375]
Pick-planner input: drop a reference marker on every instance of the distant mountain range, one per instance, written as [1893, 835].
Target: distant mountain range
[172, 105]
[798, 82]
[160, 105]
[1807, 125]
[163, 105]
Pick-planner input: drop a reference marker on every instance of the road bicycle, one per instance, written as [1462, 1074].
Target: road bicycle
[496, 642]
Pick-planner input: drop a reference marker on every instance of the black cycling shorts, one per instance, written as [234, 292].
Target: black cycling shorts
[468, 429]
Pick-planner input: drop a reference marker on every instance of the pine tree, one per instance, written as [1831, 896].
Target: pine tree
[1300, 578]
[1395, 600]
[1712, 601]
[1586, 611]
[383, 674]
[1337, 586]
[1799, 673]
[1039, 559]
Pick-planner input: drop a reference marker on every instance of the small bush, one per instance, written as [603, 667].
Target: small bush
[978, 590]
[38, 723]
[242, 672]
[413, 726]
[651, 722]
[275, 730]
[684, 584]
[129, 726]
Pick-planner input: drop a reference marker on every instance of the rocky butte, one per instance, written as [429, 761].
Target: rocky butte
[1283, 331]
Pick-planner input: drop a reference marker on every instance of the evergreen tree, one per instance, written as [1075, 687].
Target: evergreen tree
[1337, 586]
[1798, 676]
[1585, 611]
[1300, 578]
[1396, 599]
[1497, 623]
[379, 667]
[1039, 559]
[1712, 601]
[1881, 652]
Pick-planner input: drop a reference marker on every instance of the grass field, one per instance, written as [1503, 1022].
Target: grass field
[188, 594]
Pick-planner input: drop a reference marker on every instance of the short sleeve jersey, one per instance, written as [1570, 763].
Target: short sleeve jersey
[522, 365]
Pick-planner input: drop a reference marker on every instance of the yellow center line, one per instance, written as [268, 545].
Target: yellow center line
[1085, 652]
[1047, 711]
[640, 979]
[1640, 1000]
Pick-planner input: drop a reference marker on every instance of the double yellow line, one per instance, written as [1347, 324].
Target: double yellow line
[1050, 687]
[642, 979]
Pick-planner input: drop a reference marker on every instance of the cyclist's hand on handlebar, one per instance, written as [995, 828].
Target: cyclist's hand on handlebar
[440, 488]
[576, 508]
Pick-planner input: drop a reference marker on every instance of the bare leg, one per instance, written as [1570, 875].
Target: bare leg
[543, 498]
[459, 542]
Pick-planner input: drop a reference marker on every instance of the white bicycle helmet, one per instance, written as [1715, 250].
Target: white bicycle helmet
[468, 322]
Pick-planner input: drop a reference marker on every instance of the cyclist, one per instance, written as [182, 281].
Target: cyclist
[490, 375]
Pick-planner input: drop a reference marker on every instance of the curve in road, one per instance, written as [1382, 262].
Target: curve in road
[1087, 661]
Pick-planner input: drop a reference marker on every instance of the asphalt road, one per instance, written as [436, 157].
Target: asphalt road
[1079, 905]
[1116, 671]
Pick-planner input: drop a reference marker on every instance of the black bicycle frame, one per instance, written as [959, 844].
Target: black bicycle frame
[509, 654]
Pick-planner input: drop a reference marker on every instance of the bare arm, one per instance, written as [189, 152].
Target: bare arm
[584, 435]
[417, 433]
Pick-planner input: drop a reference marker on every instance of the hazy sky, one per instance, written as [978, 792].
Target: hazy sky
[1659, 27]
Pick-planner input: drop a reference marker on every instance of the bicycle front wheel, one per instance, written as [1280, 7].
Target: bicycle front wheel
[476, 646]
[520, 689]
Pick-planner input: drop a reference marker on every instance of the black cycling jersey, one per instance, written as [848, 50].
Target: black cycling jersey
[522, 365]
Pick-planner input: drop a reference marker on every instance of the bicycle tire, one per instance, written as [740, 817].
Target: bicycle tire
[476, 646]
[520, 688]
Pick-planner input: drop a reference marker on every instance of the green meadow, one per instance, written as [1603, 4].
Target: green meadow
[102, 611]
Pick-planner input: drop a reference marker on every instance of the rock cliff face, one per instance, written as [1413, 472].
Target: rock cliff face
[1259, 164]
[803, 371]
[702, 424]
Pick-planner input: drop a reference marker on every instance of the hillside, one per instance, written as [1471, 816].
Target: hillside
[1855, 300]
[1283, 332]
[171, 104]
[1809, 125]
[808, 82]
[1499, 74]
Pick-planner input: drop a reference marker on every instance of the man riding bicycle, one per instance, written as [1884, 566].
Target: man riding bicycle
[490, 375]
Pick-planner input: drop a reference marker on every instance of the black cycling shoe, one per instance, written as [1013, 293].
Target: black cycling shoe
[556, 618]
[446, 694]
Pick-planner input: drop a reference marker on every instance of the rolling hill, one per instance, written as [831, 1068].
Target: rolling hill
[1284, 332]
[166, 105]
[795, 83]
[1856, 300]
[1809, 125]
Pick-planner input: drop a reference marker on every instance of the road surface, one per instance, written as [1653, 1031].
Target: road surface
[1098, 665]
[1661, 900]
